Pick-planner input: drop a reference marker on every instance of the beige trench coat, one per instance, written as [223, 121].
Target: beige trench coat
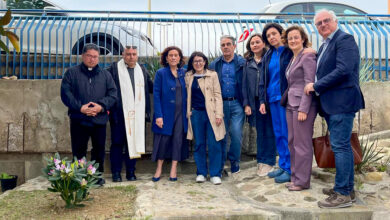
[209, 85]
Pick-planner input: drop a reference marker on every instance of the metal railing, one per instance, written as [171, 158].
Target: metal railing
[51, 41]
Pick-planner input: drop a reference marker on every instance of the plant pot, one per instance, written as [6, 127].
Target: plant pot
[7, 184]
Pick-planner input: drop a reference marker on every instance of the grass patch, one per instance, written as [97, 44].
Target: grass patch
[127, 189]
[330, 170]
[205, 207]
[105, 203]
[212, 196]
[194, 193]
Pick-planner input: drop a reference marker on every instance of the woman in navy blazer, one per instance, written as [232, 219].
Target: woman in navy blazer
[253, 69]
[170, 106]
[301, 109]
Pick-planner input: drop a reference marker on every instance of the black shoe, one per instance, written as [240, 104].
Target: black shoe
[225, 173]
[173, 179]
[131, 176]
[116, 177]
[101, 182]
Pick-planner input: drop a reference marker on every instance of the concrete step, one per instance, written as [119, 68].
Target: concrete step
[145, 165]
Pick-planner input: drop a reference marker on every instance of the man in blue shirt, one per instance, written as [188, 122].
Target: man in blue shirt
[229, 67]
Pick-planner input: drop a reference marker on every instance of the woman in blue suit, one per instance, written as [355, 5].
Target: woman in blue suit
[272, 85]
[170, 106]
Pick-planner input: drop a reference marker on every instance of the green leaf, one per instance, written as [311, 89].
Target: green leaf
[54, 178]
[2, 31]
[6, 18]
[14, 40]
[79, 195]
[5, 176]
[4, 47]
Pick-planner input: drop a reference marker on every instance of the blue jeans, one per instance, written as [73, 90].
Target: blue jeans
[234, 120]
[203, 133]
[340, 129]
[279, 123]
[266, 148]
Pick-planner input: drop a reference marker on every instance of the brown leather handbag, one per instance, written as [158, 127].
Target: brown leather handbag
[325, 156]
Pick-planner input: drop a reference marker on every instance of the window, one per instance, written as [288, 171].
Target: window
[295, 8]
[339, 9]
[33, 4]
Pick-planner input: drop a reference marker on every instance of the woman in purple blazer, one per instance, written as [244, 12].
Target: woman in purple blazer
[301, 109]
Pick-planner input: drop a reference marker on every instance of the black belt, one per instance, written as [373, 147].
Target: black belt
[229, 98]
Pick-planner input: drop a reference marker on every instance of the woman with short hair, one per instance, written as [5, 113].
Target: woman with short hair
[205, 117]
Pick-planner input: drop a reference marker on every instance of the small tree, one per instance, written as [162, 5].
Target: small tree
[8, 34]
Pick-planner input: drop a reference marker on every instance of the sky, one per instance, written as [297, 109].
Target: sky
[370, 6]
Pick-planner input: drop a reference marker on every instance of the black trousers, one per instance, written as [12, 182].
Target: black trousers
[80, 134]
[118, 144]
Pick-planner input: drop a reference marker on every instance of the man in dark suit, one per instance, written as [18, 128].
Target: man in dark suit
[337, 86]
[89, 92]
[117, 121]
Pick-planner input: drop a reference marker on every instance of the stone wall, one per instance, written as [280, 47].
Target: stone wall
[34, 122]
[376, 115]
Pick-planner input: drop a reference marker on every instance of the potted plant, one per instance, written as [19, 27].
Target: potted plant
[8, 181]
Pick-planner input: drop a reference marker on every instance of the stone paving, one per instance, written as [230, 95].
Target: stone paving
[247, 196]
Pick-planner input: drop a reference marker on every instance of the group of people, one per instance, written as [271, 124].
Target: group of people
[280, 84]
[119, 94]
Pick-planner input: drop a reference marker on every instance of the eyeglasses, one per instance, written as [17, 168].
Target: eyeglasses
[323, 22]
[198, 62]
[89, 56]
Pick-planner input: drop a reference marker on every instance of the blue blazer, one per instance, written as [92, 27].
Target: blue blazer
[285, 58]
[164, 97]
[338, 76]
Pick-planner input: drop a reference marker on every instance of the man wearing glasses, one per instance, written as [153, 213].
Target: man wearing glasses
[340, 98]
[89, 92]
[229, 67]
[127, 117]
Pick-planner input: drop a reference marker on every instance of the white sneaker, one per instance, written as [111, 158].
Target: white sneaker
[237, 171]
[265, 170]
[200, 179]
[216, 180]
[259, 168]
